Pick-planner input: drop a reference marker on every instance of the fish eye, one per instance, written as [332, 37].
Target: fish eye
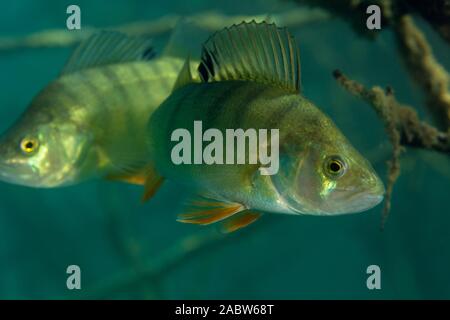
[335, 166]
[29, 145]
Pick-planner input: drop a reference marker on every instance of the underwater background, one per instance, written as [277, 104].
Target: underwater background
[127, 249]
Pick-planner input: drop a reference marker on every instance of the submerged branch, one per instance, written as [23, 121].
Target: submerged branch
[435, 12]
[209, 21]
[425, 69]
[403, 127]
[412, 43]
[412, 131]
[402, 122]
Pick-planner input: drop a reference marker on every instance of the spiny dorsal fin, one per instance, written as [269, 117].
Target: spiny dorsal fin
[185, 75]
[252, 51]
[108, 47]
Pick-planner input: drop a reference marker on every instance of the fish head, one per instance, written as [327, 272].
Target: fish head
[328, 176]
[42, 149]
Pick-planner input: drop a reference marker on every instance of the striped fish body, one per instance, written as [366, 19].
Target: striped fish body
[251, 80]
[232, 105]
[109, 106]
[91, 120]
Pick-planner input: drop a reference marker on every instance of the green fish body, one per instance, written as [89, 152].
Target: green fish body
[251, 80]
[90, 121]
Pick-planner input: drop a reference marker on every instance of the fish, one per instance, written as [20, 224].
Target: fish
[90, 122]
[250, 79]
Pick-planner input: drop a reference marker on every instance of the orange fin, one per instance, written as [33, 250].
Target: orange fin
[207, 211]
[138, 178]
[152, 184]
[240, 220]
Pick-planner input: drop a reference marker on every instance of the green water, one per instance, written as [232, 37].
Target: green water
[129, 250]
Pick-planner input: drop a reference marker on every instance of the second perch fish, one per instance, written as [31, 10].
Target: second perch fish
[91, 121]
[251, 79]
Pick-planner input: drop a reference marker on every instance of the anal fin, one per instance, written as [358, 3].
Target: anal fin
[239, 220]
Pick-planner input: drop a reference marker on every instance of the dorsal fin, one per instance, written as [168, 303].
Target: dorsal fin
[185, 75]
[108, 47]
[252, 51]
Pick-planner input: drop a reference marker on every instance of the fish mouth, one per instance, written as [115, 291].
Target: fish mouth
[365, 198]
[5, 173]
[362, 201]
[372, 200]
[352, 200]
[13, 175]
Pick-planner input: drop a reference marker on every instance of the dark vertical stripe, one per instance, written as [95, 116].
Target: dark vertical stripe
[144, 89]
[65, 95]
[220, 103]
[124, 98]
[89, 91]
[182, 95]
[161, 72]
[277, 114]
[241, 111]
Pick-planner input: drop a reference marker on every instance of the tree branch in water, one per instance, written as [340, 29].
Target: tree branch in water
[402, 125]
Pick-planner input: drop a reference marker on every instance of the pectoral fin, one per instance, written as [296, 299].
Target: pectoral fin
[205, 211]
[147, 177]
[138, 179]
[152, 183]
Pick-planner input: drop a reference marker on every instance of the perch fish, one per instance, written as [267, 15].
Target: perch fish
[251, 79]
[90, 121]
